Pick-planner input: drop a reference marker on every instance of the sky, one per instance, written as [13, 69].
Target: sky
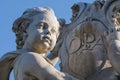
[10, 10]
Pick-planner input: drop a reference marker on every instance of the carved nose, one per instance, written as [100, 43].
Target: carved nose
[46, 31]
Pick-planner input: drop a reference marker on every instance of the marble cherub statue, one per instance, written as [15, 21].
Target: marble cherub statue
[36, 33]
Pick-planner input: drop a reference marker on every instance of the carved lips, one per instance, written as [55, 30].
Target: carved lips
[47, 39]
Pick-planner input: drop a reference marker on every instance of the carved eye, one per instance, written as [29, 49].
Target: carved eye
[53, 30]
[45, 26]
[40, 25]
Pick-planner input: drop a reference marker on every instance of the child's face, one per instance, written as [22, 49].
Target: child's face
[42, 33]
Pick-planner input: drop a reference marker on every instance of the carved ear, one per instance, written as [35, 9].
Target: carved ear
[20, 24]
[61, 22]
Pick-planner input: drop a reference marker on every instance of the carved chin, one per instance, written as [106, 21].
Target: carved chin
[41, 48]
[46, 45]
[49, 45]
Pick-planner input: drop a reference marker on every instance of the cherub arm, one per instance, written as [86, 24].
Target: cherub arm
[37, 66]
[53, 57]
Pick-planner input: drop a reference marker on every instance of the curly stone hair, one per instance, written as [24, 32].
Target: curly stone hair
[21, 24]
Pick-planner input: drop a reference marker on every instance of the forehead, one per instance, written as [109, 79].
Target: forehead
[46, 18]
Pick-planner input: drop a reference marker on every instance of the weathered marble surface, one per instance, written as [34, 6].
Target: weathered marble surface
[88, 47]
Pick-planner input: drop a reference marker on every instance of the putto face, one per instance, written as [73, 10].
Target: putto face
[42, 33]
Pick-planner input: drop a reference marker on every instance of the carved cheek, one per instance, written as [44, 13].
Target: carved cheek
[53, 39]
